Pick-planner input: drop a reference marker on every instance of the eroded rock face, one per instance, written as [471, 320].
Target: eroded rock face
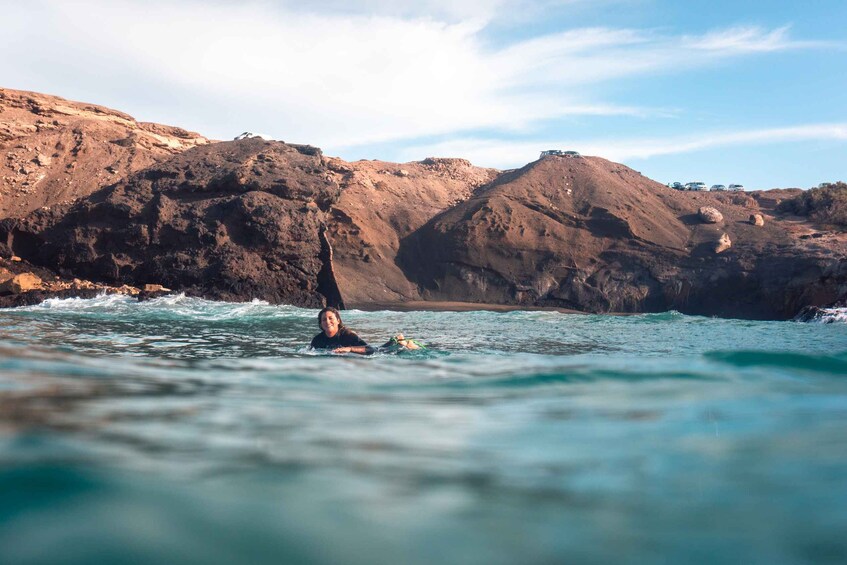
[595, 236]
[232, 221]
[757, 220]
[380, 204]
[24, 284]
[575, 233]
[55, 150]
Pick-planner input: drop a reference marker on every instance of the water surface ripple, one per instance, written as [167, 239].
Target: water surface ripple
[181, 430]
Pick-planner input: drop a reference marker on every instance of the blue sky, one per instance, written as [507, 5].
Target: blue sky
[723, 92]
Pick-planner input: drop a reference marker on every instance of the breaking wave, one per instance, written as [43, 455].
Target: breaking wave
[831, 316]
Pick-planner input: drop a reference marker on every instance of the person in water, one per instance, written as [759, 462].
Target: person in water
[335, 336]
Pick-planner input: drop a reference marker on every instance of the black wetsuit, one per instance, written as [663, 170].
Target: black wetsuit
[342, 338]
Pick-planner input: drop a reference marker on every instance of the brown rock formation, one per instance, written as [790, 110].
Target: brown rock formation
[24, 284]
[723, 243]
[380, 204]
[230, 221]
[260, 219]
[592, 235]
[54, 150]
[710, 214]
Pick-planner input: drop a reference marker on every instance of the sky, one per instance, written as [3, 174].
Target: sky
[721, 92]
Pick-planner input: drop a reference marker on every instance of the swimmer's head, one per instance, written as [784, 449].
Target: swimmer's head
[329, 320]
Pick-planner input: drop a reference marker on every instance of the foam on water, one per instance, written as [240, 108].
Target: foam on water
[169, 306]
[832, 315]
[80, 304]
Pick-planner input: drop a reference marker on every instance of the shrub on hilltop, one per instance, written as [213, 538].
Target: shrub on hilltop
[826, 203]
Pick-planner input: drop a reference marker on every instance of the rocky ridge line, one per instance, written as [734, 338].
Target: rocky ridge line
[57, 150]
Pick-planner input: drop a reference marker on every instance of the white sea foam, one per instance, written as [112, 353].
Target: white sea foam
[178, 305]
[831, 316]
[182, 305]
[167, 300]
[102, 301]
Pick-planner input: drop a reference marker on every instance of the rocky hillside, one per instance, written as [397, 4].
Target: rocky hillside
[592, 235]
[54, 150]
[249, 219]
[382, 203]
[263, 219]
[229, 221]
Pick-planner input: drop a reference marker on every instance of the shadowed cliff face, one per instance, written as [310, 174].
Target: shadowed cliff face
[591, 235]
[55, 150]
[232, 221]
[380, 204]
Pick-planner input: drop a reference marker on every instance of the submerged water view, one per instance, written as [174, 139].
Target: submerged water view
[181, 430]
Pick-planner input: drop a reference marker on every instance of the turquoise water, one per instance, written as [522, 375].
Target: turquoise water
[180, 430]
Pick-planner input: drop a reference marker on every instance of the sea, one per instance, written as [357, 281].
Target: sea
[179, 430]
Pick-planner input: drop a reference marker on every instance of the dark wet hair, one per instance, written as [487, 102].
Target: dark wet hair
[337, 316]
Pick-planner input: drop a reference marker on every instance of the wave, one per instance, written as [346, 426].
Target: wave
[182, 305]
[830, 316]
[818, 363]
[100, 301]
[172, 305]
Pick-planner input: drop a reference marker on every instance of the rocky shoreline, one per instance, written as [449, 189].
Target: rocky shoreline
[24, 284]
[283, 223]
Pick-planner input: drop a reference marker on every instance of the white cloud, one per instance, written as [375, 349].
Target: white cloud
[740, 39]
[646, 148]
[502, 153]
[748, 39]
[334, 75]
[444, 10]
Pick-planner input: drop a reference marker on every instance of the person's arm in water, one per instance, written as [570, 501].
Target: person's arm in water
[354, 344]
[359, 349]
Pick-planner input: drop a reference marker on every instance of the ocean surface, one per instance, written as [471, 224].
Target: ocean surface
[184, 431]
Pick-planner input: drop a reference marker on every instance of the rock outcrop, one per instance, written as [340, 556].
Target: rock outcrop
[592, 235]
[228, 221]
[55, 150]
[24, 284]
[710, 214]
[723, 243]
[382, 203]
[832, 313]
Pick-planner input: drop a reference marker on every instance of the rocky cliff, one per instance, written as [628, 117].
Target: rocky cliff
[592, 235]
[382, 203]
[229, 221]
[55, 150]
[262, 219]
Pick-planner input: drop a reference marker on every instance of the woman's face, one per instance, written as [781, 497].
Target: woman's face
[329, 323]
